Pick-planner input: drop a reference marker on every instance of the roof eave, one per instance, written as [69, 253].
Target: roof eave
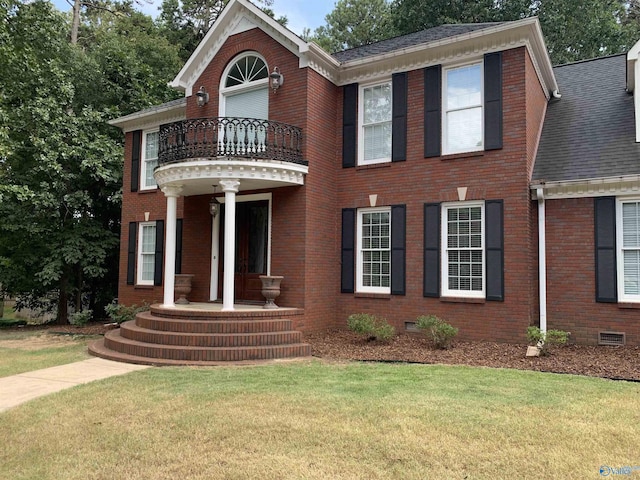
[151, 117]
[588, 187]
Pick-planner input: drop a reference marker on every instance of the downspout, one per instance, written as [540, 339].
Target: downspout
[542, 260]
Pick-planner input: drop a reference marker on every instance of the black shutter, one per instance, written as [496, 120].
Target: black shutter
[131, 253]
[494, 249]
[398, 249]
[432, 111]
[136, 147]
[159, 257]
[431, 250]
[178, 246]
[493, 101]
[605, 232]
[347, 271]
[349, 125]
[399, 118]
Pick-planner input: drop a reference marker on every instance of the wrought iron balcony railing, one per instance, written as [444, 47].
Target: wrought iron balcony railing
[229, 137]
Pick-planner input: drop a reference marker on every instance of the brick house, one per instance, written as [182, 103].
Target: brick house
[418, 175]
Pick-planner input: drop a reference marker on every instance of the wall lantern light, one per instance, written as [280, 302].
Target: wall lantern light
[214, 205]
[203, 97]
[276, 79]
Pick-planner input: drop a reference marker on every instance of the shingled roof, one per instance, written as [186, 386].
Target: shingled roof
[410, 40]
[590, 132]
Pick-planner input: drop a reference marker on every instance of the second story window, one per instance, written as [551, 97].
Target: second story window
[149, 159]
[462, 109]
[375, 121]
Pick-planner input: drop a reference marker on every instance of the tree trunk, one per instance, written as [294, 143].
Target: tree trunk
[63, 300]
[75, 25]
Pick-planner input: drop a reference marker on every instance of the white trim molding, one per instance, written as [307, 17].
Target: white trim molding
[592, 187]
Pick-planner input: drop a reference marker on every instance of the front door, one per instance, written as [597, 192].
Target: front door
[252, 230]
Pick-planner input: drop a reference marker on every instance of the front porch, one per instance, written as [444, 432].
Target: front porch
[201, 334]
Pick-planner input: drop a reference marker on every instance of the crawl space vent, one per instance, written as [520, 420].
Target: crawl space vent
[611, 338]
[411, 327]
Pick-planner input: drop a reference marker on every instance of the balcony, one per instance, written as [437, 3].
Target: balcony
[194, 153]
[228, 137]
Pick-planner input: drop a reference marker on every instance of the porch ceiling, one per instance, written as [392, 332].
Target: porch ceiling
[197, 177]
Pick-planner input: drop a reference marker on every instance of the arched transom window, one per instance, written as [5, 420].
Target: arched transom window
[248, 68]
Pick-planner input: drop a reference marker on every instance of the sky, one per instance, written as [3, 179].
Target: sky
[301, 13]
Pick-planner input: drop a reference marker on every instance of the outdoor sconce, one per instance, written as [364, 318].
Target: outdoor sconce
[214, 205]
[203, 97]
[276, 79]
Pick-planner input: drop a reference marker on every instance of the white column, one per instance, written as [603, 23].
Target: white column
[230, 188]
[172, 192]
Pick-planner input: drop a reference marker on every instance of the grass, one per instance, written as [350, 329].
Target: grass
[25, 351]
[325, 421]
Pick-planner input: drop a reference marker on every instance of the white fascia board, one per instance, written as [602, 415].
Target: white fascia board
[151, 117]
[632, 60]
[225, 25]
[526, 32]
[586, 188]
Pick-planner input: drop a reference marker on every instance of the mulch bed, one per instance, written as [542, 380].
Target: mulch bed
[620, 363]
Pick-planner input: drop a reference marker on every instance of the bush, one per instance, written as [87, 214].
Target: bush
[120, 313]
[546, 341]
[80, 318]
[373, 327]
[437, 330]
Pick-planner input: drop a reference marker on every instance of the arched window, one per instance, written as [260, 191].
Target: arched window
[245, 88]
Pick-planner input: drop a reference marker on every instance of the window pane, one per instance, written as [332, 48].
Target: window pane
[148, 262]
[375, 254]
[464, 249]
[377, 141]
[148, 239]
[151, 146]
[464, 87]
[631, 225]
[464, 129]
[632, 272]
[377, 104]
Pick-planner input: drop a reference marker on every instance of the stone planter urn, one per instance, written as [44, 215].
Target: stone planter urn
[182, 288]
[270, 289]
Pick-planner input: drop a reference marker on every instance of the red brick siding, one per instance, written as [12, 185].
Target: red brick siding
[571, 289]
[499, 174]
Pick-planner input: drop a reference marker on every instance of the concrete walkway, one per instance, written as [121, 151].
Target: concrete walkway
[26, 386]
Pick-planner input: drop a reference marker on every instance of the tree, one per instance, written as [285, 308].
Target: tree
[354, 23]
[186, 22]
[60, 163]
[573, 29]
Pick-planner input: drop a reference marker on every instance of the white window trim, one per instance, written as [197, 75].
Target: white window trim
[445, 146]
[622, 297]
[360, 288]
[446, 292]
[143, 161]
[361, 89]
[139, 254]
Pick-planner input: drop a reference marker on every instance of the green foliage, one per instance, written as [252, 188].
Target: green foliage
[552, 338]
[354, 23]
[437, 330]
[12, 322]
[573, 29]
[80, 318]
[121, 313]
[371, 326]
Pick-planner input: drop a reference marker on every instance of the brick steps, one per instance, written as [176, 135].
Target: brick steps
[194, 337]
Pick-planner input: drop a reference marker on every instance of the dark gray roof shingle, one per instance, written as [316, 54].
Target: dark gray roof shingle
[590, 131]
[404, 41]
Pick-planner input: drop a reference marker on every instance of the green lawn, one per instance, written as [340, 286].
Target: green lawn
[314, 420]
[24, 351]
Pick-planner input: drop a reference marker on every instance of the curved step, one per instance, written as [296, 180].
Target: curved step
[132, 331]
[98, 349]
[192, 312]
[152, 321]
[113, 341]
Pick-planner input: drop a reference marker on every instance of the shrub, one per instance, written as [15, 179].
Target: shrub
[120, 313]
[546, 341]
[80, 318]
[437, 330]
[373, 327]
